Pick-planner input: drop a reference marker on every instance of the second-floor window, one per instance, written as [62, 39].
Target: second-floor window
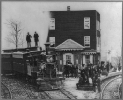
[98, 25]
[52, 41]
[87, 41]
[52, 24]
[98, 41]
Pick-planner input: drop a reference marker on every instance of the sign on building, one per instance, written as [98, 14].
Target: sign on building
[86, 22]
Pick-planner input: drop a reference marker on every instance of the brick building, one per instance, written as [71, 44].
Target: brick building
[75, 36]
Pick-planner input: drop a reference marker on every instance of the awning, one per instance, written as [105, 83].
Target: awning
[88, 53]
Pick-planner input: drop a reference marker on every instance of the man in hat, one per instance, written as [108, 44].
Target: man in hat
[36, 38]
[28, 39]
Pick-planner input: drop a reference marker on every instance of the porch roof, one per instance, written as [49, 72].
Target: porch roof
[69, 45]
[86, 52]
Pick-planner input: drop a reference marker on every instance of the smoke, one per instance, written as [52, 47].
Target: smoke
[31, 20]
[39, 22]
[44, 28]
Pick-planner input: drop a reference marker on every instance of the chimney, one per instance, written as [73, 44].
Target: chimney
[68, 8]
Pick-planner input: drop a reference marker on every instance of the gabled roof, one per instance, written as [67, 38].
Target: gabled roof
[69, 44]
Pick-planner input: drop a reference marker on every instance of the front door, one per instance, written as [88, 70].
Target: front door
[68, 56]
[87, 58]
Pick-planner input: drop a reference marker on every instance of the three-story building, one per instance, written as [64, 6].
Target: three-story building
[75, 36]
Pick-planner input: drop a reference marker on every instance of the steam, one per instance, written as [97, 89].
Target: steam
[45, 28]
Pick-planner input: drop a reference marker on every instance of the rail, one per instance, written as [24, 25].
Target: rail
[113, 74]
[101, 95]
[10, 95]
[60, 94]
[119, 90]
[69, 95]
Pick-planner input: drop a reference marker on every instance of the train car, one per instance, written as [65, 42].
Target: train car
[6, 63]
[34, 67]
[19, 63]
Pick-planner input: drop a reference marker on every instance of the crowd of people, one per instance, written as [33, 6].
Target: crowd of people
[89, 73]
[70, 70]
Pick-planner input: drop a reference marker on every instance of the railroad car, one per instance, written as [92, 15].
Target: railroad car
[19, 63]
[32, 66]
[6, 63]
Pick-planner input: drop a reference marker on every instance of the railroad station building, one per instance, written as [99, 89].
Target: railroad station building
[75, 35]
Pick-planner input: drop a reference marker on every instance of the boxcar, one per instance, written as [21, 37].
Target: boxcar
[19, 62]
[6, 63]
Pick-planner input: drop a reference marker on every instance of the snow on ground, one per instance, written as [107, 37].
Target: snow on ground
[70, 85]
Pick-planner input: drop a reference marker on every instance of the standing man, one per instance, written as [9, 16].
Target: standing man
[36, 39]
[28, 39]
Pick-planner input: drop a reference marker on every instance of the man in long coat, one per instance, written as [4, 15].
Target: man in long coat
[28, 39]
[36, 38]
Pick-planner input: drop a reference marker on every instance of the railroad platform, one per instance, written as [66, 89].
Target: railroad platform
[50, 84]
[87, 87]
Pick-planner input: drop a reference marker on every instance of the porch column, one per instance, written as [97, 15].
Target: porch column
[91, 59]
[83, 59]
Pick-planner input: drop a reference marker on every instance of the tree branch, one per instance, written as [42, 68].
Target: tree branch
[15, 34]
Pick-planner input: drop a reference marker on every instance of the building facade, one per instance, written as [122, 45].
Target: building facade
[75, 36]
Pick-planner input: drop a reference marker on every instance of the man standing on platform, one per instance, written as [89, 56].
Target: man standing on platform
[36, 39]
[28, 39]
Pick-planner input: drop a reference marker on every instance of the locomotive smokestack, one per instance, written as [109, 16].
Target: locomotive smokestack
[68, 8]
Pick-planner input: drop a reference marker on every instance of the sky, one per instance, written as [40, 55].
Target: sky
[34, 16]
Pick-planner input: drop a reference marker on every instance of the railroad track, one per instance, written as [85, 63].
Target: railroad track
[21, 90]
[60, 94]
[16, 88]
[106, 81]
[120, 91]
[5, 92]
[110, 90]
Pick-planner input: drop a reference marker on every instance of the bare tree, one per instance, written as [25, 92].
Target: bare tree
[117, 62]
[15, 35]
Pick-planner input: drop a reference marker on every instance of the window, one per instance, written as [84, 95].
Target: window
[87, 58]
[52, 24]
[98, 41]
[87, 41]
[86, 22]
[52, 41]
[68, 58]
[98, 25]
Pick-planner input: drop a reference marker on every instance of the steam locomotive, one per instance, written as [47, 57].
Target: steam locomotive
[35, 67]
